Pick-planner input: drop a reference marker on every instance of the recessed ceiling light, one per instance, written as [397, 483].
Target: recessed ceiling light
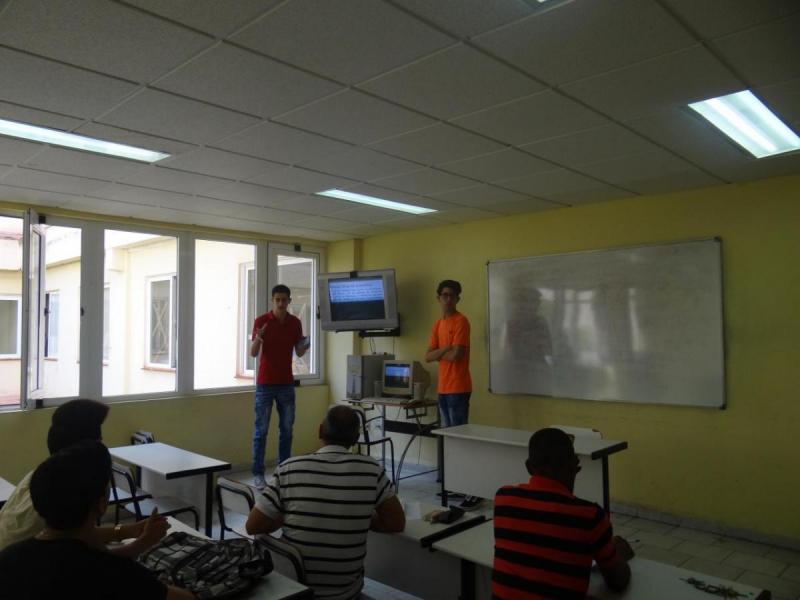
[373, 201]
[745, 119]
[71, 140]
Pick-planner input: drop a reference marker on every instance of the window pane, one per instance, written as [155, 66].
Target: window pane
[10, 299]
[63, 320]
[139, 325]
[298, 273]
[224, 301]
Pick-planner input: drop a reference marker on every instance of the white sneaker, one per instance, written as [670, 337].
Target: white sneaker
[259, 483]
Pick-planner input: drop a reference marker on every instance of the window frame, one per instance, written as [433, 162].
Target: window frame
[18, 299]
[48, 355]
[172, 342]
[245, 325]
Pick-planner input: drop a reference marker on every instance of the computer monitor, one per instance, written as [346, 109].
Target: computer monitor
[399, 377]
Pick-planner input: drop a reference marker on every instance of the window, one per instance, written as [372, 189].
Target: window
[51, 302]
[106, 324]
[10, 331]
[162, 322]
[224, 301]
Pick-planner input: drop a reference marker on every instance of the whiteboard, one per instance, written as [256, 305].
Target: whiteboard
[641, 324]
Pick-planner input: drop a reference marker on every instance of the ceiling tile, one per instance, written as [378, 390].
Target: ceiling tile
[713, 18]
[133, 194]
[360, 163]
[240, 210]
[40, 83]
[161, 178]
[317, 205]
[299, 179]
[52, 182]
[574, 40]
[437, 144]
[242, 80]
[355, 117]
[83, 164]
[485, 196]
[783, 99]
[347, 41]
[256, 195]
[103, 36]
[208, 15]
[398, 196]
[536, 117]
[650, 173]
[601, 193]
[551, 183]
[452, 82]
[281, 144]
[23, 114]
[517, 207]
[464, 214]
[171, 116]
[413, 222]
[17, 194]
[590, 145]
[498, 165]
[366, 214]
[14, 152]
[465, 18]
[671, 80]
[765, 54]
[219, 163]
[134, 138]
[104, 206]
[425, 181]
[324, 223]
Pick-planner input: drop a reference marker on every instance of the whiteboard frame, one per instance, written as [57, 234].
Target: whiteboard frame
[724, 354]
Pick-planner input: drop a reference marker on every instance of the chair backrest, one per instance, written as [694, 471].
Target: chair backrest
[286, 558]
[579, 431]
[122, 480]
[362, 422]
[233, 496]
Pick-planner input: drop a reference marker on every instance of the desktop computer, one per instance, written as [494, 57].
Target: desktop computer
[363, 371]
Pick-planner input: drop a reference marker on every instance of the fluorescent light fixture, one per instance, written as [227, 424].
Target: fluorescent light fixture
[745, 119]
[71, 140]
[373, 201]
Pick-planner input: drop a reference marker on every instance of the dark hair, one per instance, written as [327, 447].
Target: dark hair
[282, 289]
[65, 487]
[341, 426]
[449, 283]
[75, 421]
[550, 449]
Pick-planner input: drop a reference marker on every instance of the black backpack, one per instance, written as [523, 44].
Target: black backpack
[208, 568]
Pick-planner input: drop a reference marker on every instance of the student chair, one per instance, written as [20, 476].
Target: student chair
[124, 494]
[167, 505]
[286, 559]
[365, 441]
[232, 498]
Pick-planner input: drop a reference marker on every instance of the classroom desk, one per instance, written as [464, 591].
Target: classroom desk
[273, 587]
[174, 463]
[478, 460]
[399, 560]
[5, 491]
[650, 580]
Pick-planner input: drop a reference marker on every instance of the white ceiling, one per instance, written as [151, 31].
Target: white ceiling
[476, 108]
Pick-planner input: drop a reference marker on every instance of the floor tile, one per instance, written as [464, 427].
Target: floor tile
[750, 548]
[648, 525]
[701, 565]
[792, 573]
[693, 535]
[780, 588]
[714, 553]
[669, 557]
[788, 556]
[649, 538]
[625, 530]
[758, 564]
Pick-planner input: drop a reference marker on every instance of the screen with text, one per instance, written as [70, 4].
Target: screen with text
[357, 299]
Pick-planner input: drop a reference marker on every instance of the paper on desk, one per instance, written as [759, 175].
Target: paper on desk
[413, 510]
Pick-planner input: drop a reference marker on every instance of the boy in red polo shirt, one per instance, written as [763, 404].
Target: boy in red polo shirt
[276, 335]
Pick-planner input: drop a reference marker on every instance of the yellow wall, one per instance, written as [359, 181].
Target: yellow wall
[220, 426]
[737, 466]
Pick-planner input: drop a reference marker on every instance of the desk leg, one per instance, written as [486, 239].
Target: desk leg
[383, 436]
[209, 501]
[440, 453]
[467, 580]
[606, 500]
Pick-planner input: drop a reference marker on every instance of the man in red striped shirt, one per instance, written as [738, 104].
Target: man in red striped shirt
[545, 537]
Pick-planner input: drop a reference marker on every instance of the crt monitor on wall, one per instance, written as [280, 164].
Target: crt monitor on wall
[358, 301]
[401, 376]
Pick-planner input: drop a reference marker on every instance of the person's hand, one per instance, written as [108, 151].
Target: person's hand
[153, 528]
[623, 548]
[260, 333]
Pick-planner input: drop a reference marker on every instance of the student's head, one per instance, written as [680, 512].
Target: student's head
[281, 298]
[340, 427]
[448, 293]
[71, 487]
[550, 454]
[74, 421]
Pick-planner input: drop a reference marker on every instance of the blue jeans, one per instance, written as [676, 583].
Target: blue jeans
[454, 409]
[283, 396]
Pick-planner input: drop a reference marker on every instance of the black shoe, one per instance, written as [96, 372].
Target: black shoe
[470, 503]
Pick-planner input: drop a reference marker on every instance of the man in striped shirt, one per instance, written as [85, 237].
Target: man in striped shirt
[326, 502]
[545, 537]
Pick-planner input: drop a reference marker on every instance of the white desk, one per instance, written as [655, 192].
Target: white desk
[650, 580]
[174, 463]
[5, 491]
[399, 560]
[273, 587]
[478, 460]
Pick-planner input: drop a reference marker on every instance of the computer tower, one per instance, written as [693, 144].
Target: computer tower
[362, 373]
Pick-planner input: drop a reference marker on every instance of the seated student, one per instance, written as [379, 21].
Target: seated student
[545, 537]
[326, 502]
[72, 422]
[68, 558]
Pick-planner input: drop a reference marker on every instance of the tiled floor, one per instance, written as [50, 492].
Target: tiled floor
[759, 565]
